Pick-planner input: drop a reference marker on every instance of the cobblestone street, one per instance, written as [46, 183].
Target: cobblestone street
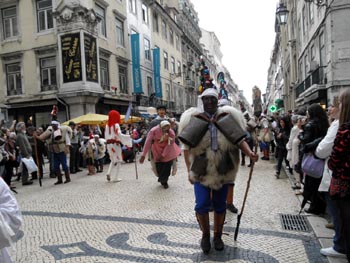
[92, 220]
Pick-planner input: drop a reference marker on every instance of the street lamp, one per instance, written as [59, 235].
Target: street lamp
[317, 2]
[282, 14]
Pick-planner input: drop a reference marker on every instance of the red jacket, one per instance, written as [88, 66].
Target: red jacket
[339, 163]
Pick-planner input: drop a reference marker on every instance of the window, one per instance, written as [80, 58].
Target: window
[132, 6]
[177, 42]
[120, 32]
[123, 79]
[150, 86]
[100, 12]
[155, 23]
[304, 20]
[9, 21]
[13, 75]
[322, 50]
[313, 53]
[311, 14]
[306, 64]
[166, 66]
[173, 70]
[145, 13]
[147, 45]
[169, 92]
[104, 74]
[44, 11]
[48, 73]
[171, 36]
[164, 33]
[179, 68]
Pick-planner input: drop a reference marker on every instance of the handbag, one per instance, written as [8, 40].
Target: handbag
[312, 166]
[30, 164]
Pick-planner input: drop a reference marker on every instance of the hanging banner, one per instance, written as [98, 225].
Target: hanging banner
[136, 69]
[71, 57]
[90, 58]
[156, 70]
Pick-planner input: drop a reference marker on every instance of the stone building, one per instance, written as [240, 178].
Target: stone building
[73, 54]
[314, 48]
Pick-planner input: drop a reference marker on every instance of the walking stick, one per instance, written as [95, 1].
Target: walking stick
[137, 175]
[37, 160]
[245, 197]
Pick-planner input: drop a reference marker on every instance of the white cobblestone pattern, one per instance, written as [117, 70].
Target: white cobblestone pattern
[92, 220]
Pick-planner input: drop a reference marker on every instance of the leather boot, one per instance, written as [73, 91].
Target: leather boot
[219, 220]
[67, 175]
[59, 178]
[203, 221]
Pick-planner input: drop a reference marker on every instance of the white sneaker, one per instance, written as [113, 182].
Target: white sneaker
[330, 252]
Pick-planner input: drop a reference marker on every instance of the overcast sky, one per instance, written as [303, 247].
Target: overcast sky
[245, 29]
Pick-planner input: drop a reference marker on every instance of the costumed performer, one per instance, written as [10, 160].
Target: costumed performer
[161, 141]
[211, 142]
[114, 138]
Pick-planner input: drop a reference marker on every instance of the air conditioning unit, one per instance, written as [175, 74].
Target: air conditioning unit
[313, 66]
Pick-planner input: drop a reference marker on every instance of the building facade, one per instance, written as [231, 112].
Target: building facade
[314, 50]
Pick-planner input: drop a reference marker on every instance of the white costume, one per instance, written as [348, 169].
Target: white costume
[114, 138]
[10, 221]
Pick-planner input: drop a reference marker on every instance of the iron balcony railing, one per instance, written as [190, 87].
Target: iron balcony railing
[314, 78]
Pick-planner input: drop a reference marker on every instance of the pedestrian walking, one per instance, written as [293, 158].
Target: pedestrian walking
[161, 142]
[211, 142]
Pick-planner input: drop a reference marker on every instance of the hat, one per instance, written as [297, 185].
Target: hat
[55, 123]
[71, 123]
[97, 136]
[210, 92]
[164, 123]
[161, 107]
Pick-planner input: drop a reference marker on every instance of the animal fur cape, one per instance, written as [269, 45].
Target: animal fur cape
[213, 179]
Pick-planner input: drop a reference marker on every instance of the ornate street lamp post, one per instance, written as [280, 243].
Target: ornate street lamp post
[282, 14]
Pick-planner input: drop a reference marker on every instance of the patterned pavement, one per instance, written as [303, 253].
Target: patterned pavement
[92, 220]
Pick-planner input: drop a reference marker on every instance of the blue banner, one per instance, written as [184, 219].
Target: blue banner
[156, 70]
[136, 69]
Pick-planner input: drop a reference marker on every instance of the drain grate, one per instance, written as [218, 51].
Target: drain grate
[295, 223]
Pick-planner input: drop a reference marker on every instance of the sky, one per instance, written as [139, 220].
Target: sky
[245, 29]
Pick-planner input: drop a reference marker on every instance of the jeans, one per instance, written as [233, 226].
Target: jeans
[338, 243]
[204, 198]
[60, 158]
[343, 207]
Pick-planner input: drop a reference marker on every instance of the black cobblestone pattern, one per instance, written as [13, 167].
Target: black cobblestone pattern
[119, 241]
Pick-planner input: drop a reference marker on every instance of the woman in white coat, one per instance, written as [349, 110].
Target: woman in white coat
[10, 221]
[293, 148]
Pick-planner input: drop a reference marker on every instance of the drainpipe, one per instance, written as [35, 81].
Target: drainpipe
[66, 106]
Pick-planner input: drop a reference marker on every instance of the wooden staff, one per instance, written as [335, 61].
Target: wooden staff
[245, 195]
[37, 160]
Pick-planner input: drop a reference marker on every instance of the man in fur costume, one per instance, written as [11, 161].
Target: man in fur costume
[212, 139]
[114, 138]
[58, 138]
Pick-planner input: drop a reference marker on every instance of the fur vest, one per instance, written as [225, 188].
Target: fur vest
[222, 165]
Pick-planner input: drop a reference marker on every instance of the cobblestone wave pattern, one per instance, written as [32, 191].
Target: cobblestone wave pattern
[119, 241]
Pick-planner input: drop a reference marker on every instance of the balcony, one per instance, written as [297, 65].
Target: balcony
[314, 78]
